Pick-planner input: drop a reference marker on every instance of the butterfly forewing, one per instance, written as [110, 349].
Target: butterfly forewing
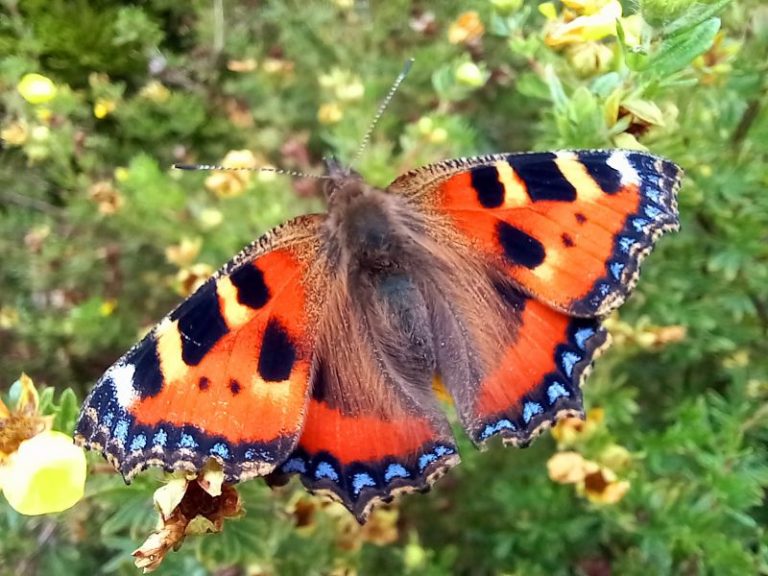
[570, 228]
[226, 374]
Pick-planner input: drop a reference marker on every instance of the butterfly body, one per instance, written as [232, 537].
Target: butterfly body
[314, 351]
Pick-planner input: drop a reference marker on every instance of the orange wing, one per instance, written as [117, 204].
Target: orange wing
[570, 228]
[226, 374]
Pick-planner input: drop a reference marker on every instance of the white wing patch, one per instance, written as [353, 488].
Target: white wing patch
[618, 160]
[121, 376]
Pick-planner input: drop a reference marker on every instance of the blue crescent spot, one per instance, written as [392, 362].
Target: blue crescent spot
[220, 449]
[325, 470]
[555, 391]
[652, 194]
[250, 454]
[582, 335]
[569, 360]
[639, 224]
[491, 429]
[121, 430]
[108, 419]
[443, 450]
[186, 441]
[530, 410]
[138, 442]
[295, 465]
[616, 269]
[425, 460]
[603, 289]
[395, 471]
[160, 438]
[360, 481]
[652, 212]
[626, 243]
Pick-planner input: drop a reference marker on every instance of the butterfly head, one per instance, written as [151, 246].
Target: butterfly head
[342, 183]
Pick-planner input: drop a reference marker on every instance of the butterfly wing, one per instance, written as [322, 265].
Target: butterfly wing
[537, 376]
[373, 427]
[226, 374]
[561, 237]
[570, 228]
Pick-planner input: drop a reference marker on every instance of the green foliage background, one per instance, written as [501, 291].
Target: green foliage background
[79, 280]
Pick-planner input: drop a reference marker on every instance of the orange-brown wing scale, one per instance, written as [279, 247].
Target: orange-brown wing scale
[539, 376]
[225, 375]
[570, 228]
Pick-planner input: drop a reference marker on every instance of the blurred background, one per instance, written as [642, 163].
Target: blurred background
[99, 238]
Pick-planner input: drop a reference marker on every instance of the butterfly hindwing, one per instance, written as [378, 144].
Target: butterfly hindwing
[570, 228]
[538, 376]
[373, 428]
[225, 375]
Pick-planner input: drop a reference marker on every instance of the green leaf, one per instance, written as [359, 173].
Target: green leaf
[680, 50]
[694, 16]
[66, 414]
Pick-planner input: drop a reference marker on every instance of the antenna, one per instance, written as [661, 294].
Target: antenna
[363, 143]
[380, 112]
[293, 173]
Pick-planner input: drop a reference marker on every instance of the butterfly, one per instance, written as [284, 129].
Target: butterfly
[314, 351]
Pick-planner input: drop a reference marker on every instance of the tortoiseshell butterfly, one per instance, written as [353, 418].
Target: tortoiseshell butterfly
[313, 351]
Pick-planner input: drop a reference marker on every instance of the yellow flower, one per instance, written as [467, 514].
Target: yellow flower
[121, 174]
[210, 218]
[602, 487]
[466, 29]
[644, 334]
[569, 467]
[43, 114]
[548, 10]
[627, 141]
[232, 183]
[9, 317]
[15, 133]
[106, 196]
[107, 307]
[247, 65]
[434, 134]
[185, 252]
[155, 91]
[572, 430]
[36, 89]
[277, 66]
[615, 457]
[590, 58]
[103, 107]
[353, 90]
[471, 75]
[191, 278]
[329, 113]
[45, 475]
[380, 529]
[23, 422]
[585, 6]
[585, 28]
[343, 84]
[188, 504]
[40, 134]
[598, 483]
[41, 471]
[633, 26]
